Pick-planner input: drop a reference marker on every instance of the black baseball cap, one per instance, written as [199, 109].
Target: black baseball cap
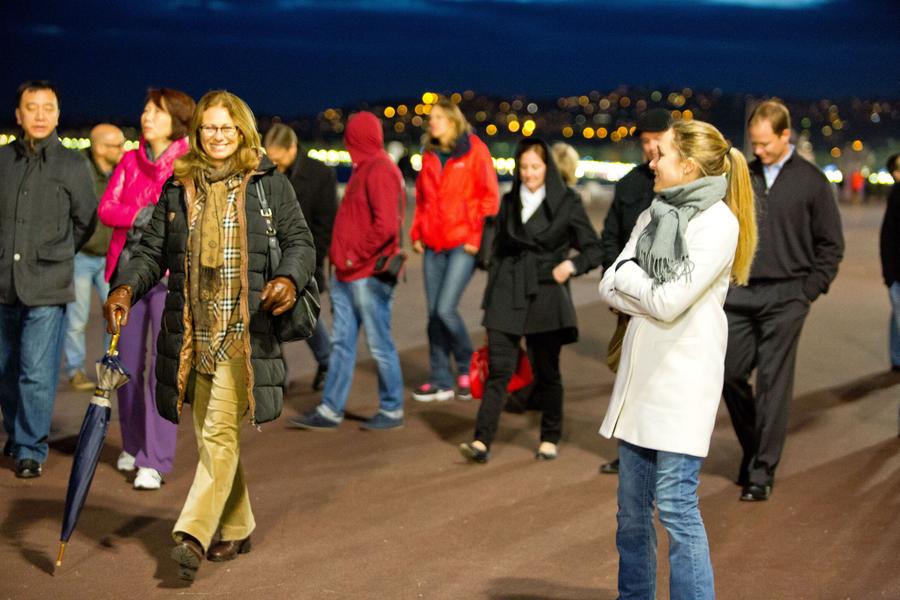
[653, 121]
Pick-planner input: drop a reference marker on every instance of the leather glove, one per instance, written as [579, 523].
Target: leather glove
[118, 303]
[278, 295]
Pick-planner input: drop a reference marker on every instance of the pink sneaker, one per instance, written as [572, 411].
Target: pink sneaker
[428, 392]
[463, 387]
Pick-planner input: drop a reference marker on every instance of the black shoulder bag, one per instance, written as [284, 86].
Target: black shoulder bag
[299, 323]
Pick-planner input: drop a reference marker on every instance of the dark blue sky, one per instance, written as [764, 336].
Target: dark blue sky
[291, 57]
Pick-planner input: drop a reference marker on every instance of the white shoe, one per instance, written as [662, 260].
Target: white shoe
[147, 479]
[125, 462]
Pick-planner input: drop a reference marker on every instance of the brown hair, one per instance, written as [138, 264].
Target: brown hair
[707, 148]
[457, 120]
[775, 112]
[248, 154]
[179, 105]
[280, 136]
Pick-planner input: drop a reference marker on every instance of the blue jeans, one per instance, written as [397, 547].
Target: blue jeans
[29, 368]
[320, 344]
[670, 481]
[367, 302]
[88, 274]
[894, 291]
[447, 274]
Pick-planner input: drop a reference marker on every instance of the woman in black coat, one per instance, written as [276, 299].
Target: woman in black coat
[539, 223]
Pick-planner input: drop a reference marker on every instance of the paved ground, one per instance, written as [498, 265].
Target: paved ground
[356, 515]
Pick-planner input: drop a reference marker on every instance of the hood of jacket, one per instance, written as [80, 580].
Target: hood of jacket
[363, 137]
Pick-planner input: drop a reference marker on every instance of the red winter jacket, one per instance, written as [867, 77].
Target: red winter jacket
[367, 224]
[452, 202]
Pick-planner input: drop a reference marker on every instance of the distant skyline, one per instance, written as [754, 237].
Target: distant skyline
[298, 57]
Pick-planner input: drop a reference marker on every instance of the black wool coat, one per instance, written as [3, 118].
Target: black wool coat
[890, 238]
[162, 247]
[316, 189]
[634, 193]
[521, 295]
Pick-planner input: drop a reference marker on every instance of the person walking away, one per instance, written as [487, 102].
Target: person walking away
[47, 213]
[148, 440]
[801, 244]
[367, 228]
[315, 186]
[540, 221]
[890, 258]
[218, 348]
[456, 189]
[633, 195]
[107, 147]
[672, 278]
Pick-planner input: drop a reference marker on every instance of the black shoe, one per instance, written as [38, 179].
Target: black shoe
[756, 493]
[473, 454]
[7, 448]
[28, 468]
[610, 468]
[318, 381]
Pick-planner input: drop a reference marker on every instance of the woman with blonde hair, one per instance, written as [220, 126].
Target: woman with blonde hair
[698, 235]
[566, 158]
[455, 191]
[218, 347]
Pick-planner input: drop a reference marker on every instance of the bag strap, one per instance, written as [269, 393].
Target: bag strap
[266, 212]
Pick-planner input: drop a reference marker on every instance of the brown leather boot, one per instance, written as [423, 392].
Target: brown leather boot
[187, 553]
[228, 549]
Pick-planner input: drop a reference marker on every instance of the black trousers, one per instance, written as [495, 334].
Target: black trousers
[503, 357]
[764, 324]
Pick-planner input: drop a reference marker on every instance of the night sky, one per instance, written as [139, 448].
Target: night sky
[296, 57]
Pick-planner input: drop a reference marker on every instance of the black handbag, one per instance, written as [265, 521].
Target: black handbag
[299, 323]
[486, 249]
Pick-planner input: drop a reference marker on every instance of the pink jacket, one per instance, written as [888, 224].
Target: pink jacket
[135, 183]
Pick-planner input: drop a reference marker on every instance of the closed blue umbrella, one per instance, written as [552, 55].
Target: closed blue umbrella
[111, 375]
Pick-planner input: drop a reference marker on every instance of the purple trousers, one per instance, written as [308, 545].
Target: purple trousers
[145, 434]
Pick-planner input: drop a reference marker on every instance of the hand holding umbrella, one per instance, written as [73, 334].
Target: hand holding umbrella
[111, 375]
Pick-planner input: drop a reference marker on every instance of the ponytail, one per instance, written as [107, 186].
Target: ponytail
[740, 200]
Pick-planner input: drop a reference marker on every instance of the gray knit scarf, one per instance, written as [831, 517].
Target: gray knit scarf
[662, 247]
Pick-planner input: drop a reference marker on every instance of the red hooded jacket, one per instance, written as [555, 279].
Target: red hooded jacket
[452, 202]
[367, 224]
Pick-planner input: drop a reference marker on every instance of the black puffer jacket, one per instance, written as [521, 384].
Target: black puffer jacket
[163, 246]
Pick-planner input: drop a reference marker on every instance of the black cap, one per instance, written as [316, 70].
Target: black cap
[653, 121]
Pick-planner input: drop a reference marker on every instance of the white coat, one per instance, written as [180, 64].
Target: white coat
[669, 381]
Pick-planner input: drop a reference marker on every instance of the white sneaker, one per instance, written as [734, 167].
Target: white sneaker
[125, 462]
[147, 479]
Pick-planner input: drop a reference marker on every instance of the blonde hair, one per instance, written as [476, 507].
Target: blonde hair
[247, 156]
[566, 158]
[457, 121]
[713, 155]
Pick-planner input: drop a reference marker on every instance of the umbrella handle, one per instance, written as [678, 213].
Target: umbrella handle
[114, 342]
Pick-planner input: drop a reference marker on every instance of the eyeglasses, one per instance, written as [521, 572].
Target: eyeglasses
[209, 131]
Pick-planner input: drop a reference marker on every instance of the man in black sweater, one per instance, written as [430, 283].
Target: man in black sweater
[315, 186]
[633, 195]
[800, 246]
[890, 257]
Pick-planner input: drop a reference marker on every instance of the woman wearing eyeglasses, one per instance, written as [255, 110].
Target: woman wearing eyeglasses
[148, 441]
[217, 345]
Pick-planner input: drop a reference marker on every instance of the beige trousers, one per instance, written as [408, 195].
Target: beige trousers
[218, 497]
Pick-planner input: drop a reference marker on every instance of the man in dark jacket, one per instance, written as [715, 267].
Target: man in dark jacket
[890, 257]
[800, 245]
[47, 212]
[366, 230]
[314, 184]
[107, 148]
[634, 192]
